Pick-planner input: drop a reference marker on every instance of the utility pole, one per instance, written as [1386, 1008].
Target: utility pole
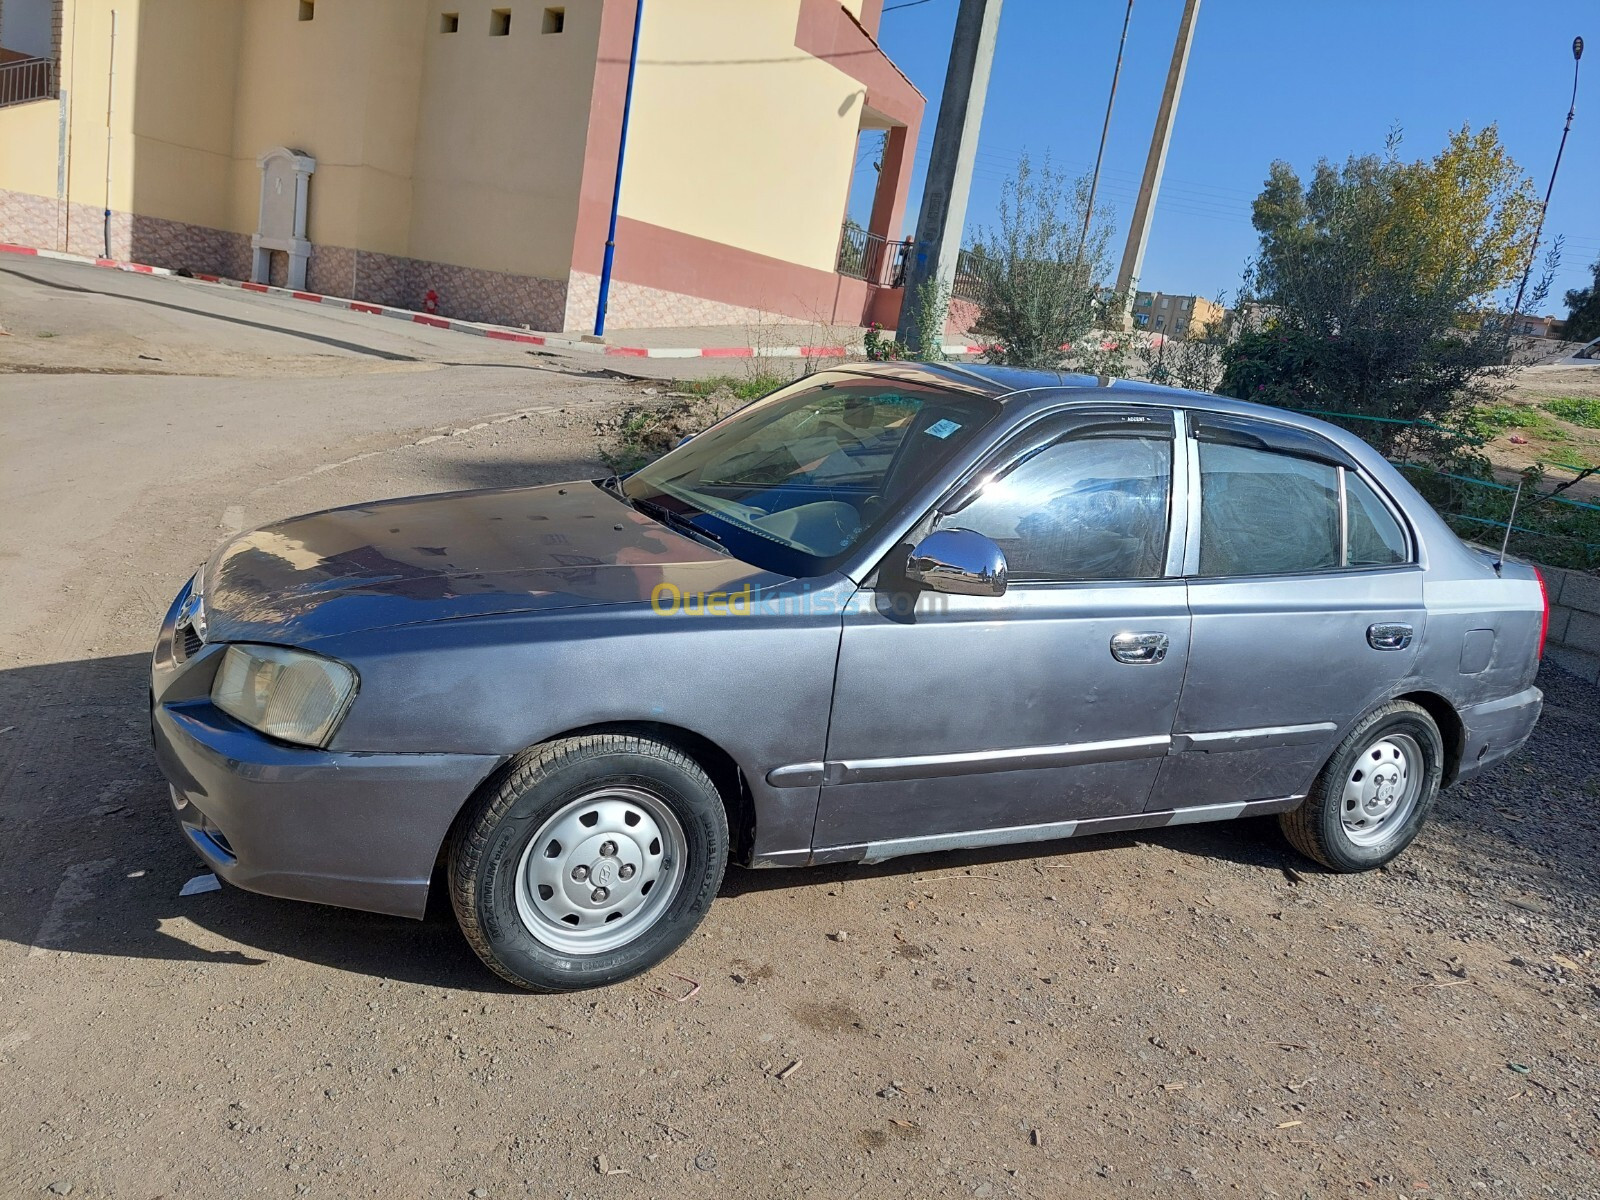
[1155, 164]
[955, 144]
[1094, 181]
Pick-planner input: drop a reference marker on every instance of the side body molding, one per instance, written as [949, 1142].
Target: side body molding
[1029, 758]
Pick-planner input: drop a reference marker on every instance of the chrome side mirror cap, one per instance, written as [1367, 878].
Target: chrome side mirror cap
[960, 562]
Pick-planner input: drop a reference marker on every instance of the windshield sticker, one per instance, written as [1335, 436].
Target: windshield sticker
[943, 429]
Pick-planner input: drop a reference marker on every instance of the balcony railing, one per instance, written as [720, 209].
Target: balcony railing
[971, 268]
[27, 79]
[871, 256]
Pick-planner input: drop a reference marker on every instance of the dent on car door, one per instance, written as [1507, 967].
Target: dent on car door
[959, 720]
[1307, 610]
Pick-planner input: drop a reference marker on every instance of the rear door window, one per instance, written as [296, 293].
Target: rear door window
[1266, 513]
[1376, 539]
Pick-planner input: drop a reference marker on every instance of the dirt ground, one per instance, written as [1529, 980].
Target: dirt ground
[1541, 436]
[1186, 1012]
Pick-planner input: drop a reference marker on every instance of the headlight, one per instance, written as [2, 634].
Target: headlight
[288, 694]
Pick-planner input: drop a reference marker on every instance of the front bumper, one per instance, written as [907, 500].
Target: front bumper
[351, 829]
[1496, 730]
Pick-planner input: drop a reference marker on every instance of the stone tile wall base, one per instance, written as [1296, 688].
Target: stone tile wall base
[634, 306]
[29, 220]
[466, 293]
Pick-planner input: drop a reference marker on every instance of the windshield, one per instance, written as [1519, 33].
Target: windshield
[792, 482]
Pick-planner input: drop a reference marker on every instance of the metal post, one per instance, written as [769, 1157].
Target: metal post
[1155, 164]
[111, 96]
[955, 144]
[1572, 108]
[616, 188]
[1094, 181]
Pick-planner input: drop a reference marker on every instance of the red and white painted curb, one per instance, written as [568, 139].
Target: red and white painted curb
[499, 333]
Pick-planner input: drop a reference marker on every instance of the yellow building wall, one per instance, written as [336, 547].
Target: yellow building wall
[500, 137]
[460, 148]
[736, 132]
[170, 129]
[29, 134]
[176, 67]
[343, 88]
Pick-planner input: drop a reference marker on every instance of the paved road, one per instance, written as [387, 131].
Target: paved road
[1171, 1014]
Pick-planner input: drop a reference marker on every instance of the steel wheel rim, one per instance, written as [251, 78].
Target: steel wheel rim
[600, 871]
[1381, 789]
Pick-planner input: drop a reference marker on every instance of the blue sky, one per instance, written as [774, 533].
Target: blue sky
[1291, 79]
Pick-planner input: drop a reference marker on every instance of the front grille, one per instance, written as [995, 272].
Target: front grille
[186, 644]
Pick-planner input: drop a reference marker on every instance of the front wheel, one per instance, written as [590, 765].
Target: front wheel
[587, 861]
[1375, 793]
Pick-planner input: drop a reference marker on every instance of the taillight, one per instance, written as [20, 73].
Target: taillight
[1544, 616]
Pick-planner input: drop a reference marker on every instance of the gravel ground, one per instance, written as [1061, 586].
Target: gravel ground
[1191, 1012]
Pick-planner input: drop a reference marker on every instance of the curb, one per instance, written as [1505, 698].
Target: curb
[499, 333]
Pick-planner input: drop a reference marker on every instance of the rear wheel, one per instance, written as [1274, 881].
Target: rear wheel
[587, 861]
[1372, 798]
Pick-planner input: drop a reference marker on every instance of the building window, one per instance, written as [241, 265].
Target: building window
[1165, 302]
[500, 22]
[450, 23]
[308, 9]
[555, 20]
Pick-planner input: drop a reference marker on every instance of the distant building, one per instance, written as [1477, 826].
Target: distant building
[1529, 325]
[386, 149]
[1174, 316]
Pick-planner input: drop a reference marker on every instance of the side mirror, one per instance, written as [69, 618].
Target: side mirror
[684, 440]
[960, 562]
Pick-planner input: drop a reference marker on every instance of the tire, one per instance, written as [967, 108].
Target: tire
[1376, 791]
[586, 861]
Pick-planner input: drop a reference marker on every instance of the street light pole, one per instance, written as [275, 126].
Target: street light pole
[616, 187]
[1538, 231]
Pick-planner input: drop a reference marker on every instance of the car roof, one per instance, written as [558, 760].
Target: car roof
[1022, 392]
[1018, 386]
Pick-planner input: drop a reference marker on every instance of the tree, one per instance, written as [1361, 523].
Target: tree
[1583, 310]
[1036, 275]
[1377, 280]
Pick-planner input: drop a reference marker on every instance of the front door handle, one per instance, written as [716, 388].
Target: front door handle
[1389, 635]
[1139, 649]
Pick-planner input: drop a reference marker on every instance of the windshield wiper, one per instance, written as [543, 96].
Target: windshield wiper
[676, 520]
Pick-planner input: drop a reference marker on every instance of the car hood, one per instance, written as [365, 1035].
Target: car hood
[460, 554]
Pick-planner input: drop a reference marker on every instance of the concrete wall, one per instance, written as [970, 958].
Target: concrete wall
[1574, 638]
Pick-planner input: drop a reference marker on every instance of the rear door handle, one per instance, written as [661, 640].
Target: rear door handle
[1139, 649]
[1389, 636]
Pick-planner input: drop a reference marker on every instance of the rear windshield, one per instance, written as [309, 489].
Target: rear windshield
[792, 482]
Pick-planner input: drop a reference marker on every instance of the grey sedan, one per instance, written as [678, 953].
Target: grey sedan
[882, 611]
